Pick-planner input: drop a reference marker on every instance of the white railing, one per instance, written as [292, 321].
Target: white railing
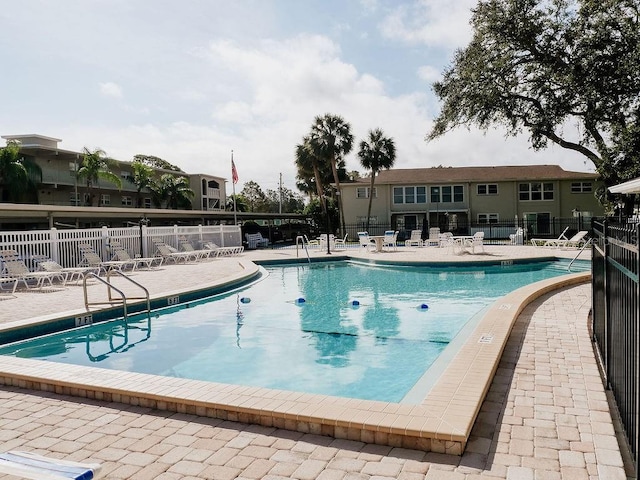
[62, 245]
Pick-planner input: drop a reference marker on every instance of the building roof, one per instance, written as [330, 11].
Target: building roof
[477, 174]
[632, 186]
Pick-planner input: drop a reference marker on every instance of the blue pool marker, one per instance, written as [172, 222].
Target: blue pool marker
[355, 303]
[245, 300]
[300, 300]
[423, 306]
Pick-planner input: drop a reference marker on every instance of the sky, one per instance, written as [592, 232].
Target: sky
[191, 81]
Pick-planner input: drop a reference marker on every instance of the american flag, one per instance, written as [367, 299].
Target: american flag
[234, 172]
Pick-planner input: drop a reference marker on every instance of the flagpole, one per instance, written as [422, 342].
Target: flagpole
[233, 181]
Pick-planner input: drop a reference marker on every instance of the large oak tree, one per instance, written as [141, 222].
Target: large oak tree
[545, 67]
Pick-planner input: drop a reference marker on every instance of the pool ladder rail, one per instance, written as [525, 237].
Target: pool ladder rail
[586, 244]
[300, 239]
[110, 288]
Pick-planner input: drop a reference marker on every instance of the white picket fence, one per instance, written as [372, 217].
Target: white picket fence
[62, 245]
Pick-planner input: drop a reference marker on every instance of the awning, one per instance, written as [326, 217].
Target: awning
[632, 186]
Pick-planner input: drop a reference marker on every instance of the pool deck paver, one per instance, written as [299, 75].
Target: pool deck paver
[545, 416]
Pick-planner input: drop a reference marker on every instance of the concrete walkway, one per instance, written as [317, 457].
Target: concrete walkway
[545, 416]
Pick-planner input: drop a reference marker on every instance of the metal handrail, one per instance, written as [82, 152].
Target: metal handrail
[110, 287]
[304, 245]
[587, 243]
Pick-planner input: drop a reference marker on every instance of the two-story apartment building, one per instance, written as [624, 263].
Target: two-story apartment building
[454, 196]
[60, 186]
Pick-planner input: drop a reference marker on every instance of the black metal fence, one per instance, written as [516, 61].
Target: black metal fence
[494, 232]
[616, 318]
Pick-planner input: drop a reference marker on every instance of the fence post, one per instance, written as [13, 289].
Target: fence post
[607, 302]
[54, 244]
[144, 235]
[105, 242]
[636, 440]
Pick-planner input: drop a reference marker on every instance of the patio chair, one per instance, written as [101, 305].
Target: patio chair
[31, 465]
[366, 242]
[171, 254]
[341, 243]
[70, 273]
[224, 251]
[200, 253]
[549, 242]
[475, 242]
[256, 240]
[415, 240]
[518, 237]
[390, 239]
[90, 258]
[453, 245]
[121, 254]
[148, 262]
[434, 237]
[14, 267]
[311, 243]
[574, 242]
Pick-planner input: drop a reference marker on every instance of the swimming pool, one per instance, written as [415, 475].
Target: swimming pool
[326, 344]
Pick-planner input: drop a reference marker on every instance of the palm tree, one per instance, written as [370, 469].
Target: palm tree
[331, 136]
[96, 166]
[17, 174]
[142, 178]
[376, 153]
[176, 192]
[307, 162]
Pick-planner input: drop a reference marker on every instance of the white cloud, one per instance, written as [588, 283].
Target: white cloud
[111, 89]
[437, 23]
[429, 73]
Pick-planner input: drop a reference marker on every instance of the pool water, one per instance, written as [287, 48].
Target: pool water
[343, 328]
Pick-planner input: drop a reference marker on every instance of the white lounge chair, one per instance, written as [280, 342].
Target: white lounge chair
[415, 240]
[549, 242]
[31, 465]
[476, 242]
[255, 240]
[70, 273]
[171, 254]
[518, 237]
[365, 241]
[15, 268]
[311, 243]
[434, 237]
[224, 251]
[574, 242]
[341, 243]
[91, 259]
[200, 253]
[390, 239]
[122, 255]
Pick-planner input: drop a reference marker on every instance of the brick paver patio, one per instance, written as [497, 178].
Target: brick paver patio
[545, 416]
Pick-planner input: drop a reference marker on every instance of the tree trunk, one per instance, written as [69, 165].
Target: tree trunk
[373, 179]
[334, 168]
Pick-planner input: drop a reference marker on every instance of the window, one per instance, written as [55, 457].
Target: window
[581, 187]
[447, 194]
[363, 192]
[363, 219]
[147, 203]
[74, 199]
[409, 195]
[487, 189]
[126, 176]
[105, 199]
[535, 191]
[126, 201]
[72, 169]
[488, 218]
